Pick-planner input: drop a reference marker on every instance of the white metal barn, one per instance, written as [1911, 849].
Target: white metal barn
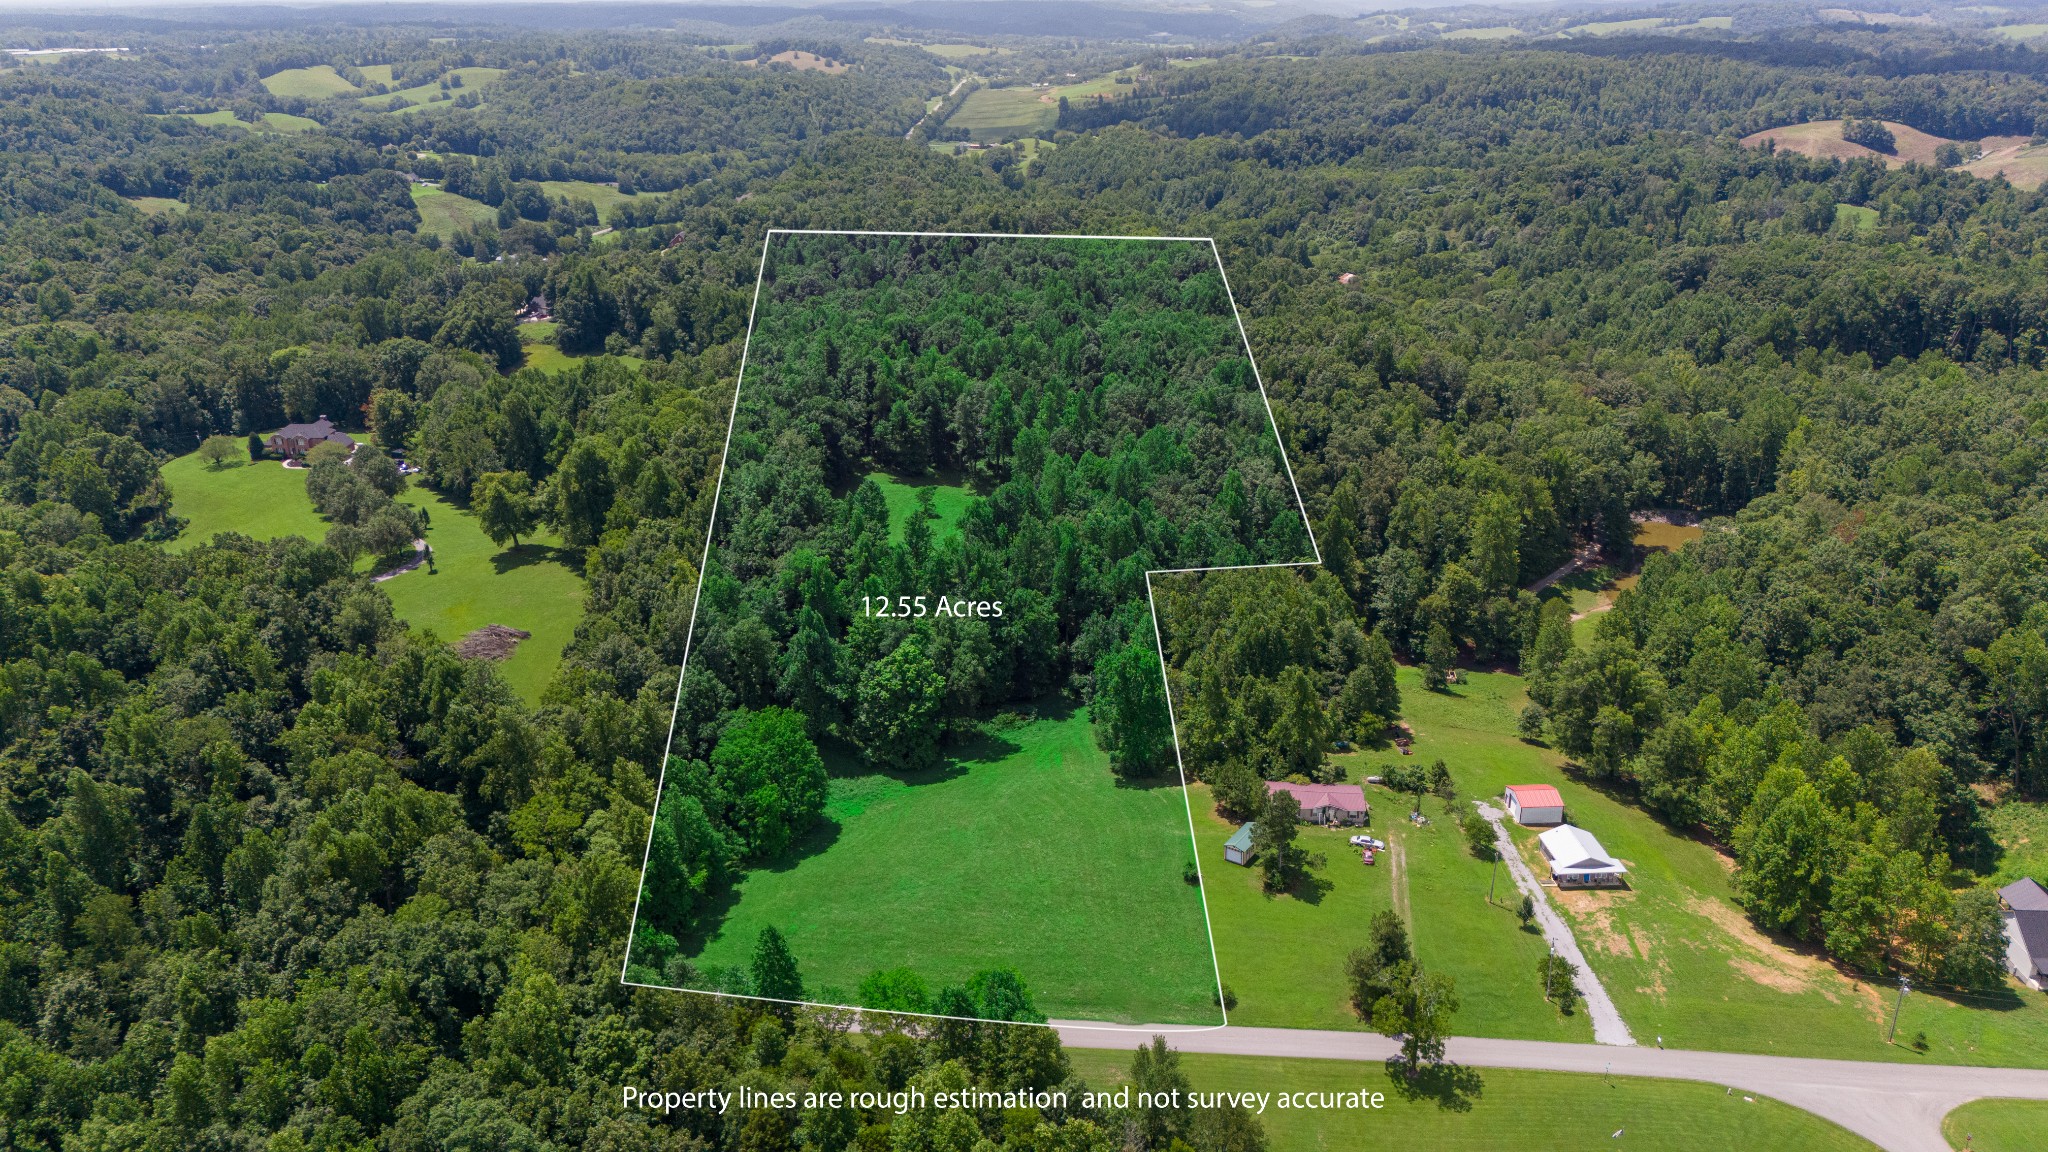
[1535, 804]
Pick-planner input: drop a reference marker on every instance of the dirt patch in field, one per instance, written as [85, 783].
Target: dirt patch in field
[1768, 963]
[491, 642]
[1593, 916]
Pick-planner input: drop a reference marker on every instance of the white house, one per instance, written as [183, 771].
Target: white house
[2026, 931]
[1535, 804]
[1577, 861]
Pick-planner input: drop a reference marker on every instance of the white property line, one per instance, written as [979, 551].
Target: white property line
[1173, 724]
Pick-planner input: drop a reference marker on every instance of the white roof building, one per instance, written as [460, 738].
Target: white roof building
[1576, 858]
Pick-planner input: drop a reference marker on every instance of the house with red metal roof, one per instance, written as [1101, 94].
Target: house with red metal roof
[1326, 803]
[1532, 804]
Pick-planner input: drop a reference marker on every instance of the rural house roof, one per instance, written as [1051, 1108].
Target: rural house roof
[318, 430]
[1536, 795]
[2025, 895]
[1347, 797]
[1573, 849]
[1242, 840]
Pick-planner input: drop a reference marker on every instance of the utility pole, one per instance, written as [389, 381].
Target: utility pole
[1495, 874]
[1905, 986]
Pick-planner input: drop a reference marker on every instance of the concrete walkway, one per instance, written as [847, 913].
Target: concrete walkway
[1608, 1026]
[1898, 1107]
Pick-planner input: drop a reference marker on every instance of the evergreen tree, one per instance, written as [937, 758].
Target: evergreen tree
[774, 968]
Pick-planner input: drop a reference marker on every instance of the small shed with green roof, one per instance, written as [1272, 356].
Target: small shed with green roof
[1238, 849]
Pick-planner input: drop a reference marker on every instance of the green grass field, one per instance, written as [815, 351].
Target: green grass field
[1024, 852]
[1855, 216]
[444, 214]
[948, 500]
[315, 83]
[1496, 32]
[990, 113]
[1998, 1125]
[534, 587]
[1677, 955]
[271, 122]
[1522, 1111]
[430, 92]
[158, 205]
[264, 500]
[2022, 31]
[1610, 27]
[376, 73]
[606, 198]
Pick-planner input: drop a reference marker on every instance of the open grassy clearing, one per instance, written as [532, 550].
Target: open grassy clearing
[1823, 138]
[2022, 31]
[377, 73]
[263, 500]
[158, 205]
[1611, 27]
[536, 587]
[801, 61]
[316, 83]
[472, 78]
[1674, 950]
[2024, 164]
[271, 121]
[990, 113]
[1856, 217]
[950, 501]
[1497, 32]
[1527, 1111]
[1022, 851]
[444, 213]
[1998, 1125]
[606, 198]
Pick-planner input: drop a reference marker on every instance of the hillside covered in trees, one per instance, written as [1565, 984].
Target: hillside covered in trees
[281, 871]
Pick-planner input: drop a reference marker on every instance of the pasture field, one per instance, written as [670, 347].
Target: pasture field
[606, 198]
[2022, 31]
[377, 74]
[996, 858]
[990, 113]
[1497, 32]
[316, 83]
[950, 501]
[536, 587]
[801, 61]
[1674, 950]
[1505, 1108]
[271, 122]
[1823, 138]
[1997, 1125]
[472, 78]
[443, 213]
[158, 205]
[1612, 27]
[1855, 216]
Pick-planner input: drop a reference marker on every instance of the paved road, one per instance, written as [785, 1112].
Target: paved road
[1608, 1026]
[1895, 1106]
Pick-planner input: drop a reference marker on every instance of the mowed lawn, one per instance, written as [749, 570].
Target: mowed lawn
[1509, 1109]
[264, 500]
[1674, 950]
[950, 501]
[1998, 1126]
[1024, 853]
[534, 587]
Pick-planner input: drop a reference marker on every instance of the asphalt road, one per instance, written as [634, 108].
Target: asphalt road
[1895, 1106]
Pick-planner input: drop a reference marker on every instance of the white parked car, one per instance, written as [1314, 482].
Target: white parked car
[1368, 842]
